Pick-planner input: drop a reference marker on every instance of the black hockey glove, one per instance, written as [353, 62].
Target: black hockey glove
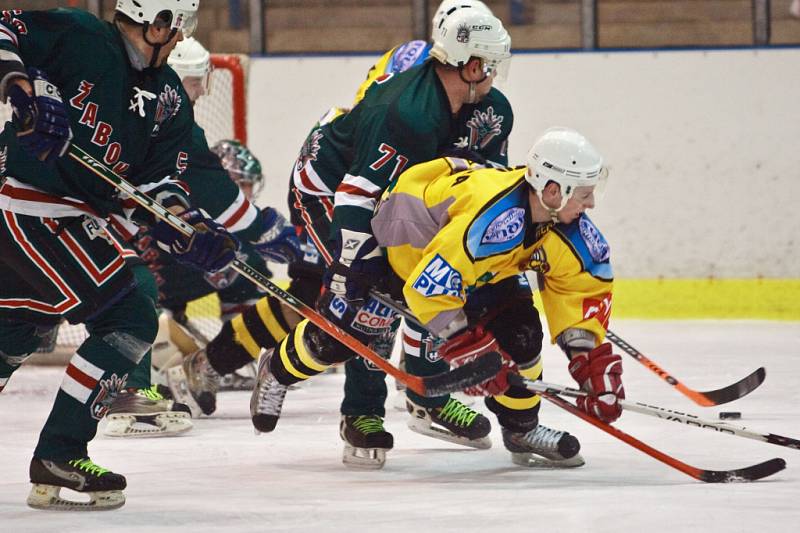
[41, 119]
[210, 248]
[358, 266]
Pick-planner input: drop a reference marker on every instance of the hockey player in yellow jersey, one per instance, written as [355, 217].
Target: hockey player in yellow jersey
[458, 238]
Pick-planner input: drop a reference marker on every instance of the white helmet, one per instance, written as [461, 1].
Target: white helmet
[448, 7]
[469, 32]
[179, 14]
[564, 156]
[190, 58]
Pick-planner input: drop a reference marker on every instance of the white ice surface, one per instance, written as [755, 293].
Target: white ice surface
[222, 477]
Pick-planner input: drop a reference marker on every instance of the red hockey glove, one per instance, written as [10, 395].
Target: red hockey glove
[470, 345]
[600, 374]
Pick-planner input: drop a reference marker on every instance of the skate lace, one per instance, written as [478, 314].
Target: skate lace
[151, 393]
[457, 413]
[543, 437]
[88, 466]
[271, 398]
[367, 424]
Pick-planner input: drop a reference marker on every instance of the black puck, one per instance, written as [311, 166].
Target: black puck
[730, 415]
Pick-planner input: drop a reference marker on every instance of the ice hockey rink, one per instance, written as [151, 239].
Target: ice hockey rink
[221, 477]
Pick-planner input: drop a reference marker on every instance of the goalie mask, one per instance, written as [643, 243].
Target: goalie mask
[566, 157]
[242, 166]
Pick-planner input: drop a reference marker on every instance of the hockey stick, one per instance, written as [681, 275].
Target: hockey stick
[727, 394]
[479, 370]
[739, 475]
[666, 414]
[749, 473]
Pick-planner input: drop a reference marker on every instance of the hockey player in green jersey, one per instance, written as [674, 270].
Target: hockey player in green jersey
[71, 78]
[224, 181]
[403, 119]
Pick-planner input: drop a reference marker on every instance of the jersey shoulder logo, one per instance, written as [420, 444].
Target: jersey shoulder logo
[500, 227]
[407, 55]
[310, 148]
[595, 242]
[439, 278]
[169, 103]
[507, 226]
[483, 127]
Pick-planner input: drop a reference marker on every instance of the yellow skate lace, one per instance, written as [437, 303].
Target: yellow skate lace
[88, 466]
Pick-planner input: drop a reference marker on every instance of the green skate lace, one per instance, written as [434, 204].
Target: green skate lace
[367, 424]
[88, 466]
[457, 413]
[151, 393]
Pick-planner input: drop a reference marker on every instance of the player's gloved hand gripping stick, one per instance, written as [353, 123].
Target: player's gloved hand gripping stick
[470, 374]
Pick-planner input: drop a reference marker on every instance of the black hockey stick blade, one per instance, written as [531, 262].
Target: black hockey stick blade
[743, 475]
[472, 373]
[734, 391]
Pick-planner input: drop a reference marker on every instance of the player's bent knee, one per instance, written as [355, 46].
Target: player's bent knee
[518, 330]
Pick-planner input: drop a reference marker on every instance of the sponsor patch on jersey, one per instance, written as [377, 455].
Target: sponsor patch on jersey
[507, 226]
[373, 318]
[595, 242]
[599, 309]
[337, 306]
[439, 278]
[407, 55]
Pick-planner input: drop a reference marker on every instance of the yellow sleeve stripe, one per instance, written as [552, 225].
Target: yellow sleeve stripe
[306, 357]
[269, 320]
[242, 336]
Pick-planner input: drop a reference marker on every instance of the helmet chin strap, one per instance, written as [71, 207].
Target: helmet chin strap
[472, 94]
[553, 212]
[156, 46]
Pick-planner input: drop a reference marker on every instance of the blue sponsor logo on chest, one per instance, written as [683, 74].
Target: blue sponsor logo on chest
[439, 278]
[506, 227]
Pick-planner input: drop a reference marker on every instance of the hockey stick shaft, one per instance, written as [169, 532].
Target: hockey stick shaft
[706, 399]
[668, 414]
[751, 473]
[430, 386]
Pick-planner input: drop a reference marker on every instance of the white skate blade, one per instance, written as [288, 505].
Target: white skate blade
[424, 427]
[169, 424]
[364, 458]
[179, 386]
[531, 460]
[47, 497]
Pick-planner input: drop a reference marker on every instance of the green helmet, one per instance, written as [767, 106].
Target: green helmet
[242, 166]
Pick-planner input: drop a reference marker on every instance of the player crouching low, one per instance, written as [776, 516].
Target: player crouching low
[457, 237]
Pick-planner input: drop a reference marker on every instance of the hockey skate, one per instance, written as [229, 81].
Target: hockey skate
[103, 487]
[146, 413]
[266, 401]
[455, 422]
[543, 447]
[365, 441]
[195, 383]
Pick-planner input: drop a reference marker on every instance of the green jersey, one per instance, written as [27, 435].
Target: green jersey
[404, 119]
[136, 121]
